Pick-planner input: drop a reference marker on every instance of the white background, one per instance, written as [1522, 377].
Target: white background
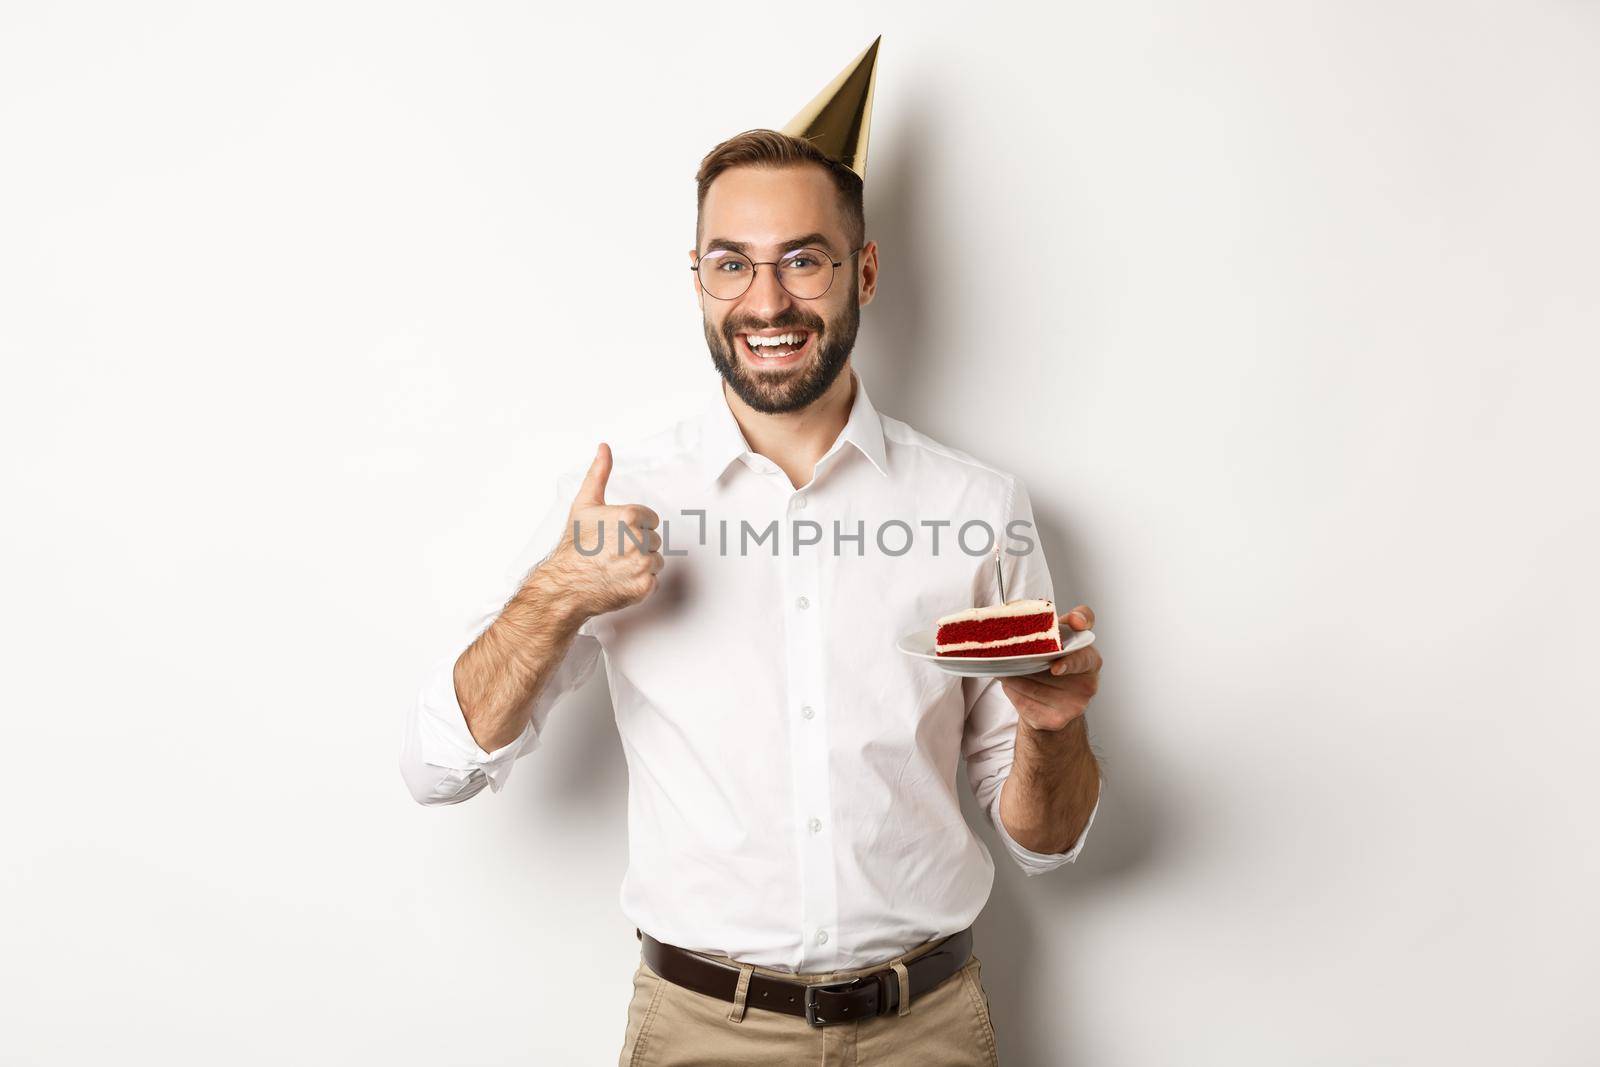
[1286, 313]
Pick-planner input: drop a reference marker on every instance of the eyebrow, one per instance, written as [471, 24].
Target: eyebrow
[814, 240]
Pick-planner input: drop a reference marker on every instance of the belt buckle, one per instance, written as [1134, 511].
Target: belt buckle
[811, 998]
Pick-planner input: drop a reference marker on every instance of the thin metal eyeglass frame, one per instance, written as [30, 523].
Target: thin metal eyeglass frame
[837, 263]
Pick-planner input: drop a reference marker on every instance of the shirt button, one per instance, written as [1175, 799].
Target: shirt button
[808, 711]
[822, 937]
[803, 603]
[799, 501]
[815, 824]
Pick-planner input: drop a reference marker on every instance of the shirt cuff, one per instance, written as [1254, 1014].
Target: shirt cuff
[449, 744]
[1031, 862]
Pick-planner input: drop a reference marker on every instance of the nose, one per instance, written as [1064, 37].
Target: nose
[766, 298]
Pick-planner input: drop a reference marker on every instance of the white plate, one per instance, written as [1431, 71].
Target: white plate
[920, 646]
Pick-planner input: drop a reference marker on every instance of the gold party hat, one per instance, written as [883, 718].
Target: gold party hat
[839, 119]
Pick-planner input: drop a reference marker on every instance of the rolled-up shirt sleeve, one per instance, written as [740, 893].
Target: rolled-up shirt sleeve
[988, 741]
[440, 761]
[989, 745]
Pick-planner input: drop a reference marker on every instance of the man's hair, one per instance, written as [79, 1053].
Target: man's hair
[770, 148]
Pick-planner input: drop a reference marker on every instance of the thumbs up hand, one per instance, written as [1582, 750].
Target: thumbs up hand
[624, 571]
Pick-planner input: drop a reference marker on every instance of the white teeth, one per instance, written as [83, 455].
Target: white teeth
[781, 339]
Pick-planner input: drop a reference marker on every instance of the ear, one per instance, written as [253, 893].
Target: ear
[869, 272]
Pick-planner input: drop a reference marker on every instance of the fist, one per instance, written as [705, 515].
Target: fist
[624, 570]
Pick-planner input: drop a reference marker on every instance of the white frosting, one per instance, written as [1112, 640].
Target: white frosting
[998, 611]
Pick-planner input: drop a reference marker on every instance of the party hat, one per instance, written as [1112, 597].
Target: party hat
[839, 119]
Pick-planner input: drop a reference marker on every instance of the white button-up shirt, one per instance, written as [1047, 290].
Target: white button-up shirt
[792, 776]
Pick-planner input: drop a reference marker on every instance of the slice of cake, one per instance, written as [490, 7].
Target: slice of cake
[1015, 628]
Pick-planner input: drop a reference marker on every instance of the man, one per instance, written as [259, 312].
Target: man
[800, 874]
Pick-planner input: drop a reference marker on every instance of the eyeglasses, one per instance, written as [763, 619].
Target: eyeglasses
[805, 273]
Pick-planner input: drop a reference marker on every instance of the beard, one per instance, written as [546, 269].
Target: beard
[775, 392]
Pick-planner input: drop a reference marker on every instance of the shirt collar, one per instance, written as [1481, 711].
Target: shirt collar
[722, 442]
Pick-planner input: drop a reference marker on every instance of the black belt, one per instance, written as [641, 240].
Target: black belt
[820, 1004]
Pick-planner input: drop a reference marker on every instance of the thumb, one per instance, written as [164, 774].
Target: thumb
[593, 489]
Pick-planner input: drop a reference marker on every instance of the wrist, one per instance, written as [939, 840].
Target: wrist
[1075, 729]
[553, 599]
[1054, 751]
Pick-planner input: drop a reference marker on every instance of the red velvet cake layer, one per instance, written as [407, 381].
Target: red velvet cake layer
[993, 629]
[1021, 648]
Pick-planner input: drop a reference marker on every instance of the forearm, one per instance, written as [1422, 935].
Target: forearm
[1054, 784]
[500, 673]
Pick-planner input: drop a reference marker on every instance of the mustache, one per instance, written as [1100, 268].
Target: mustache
[747, 327]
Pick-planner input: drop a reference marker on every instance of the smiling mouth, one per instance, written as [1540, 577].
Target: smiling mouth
[764, 355]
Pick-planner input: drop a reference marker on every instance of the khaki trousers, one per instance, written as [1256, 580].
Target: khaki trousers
[670, 1026]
